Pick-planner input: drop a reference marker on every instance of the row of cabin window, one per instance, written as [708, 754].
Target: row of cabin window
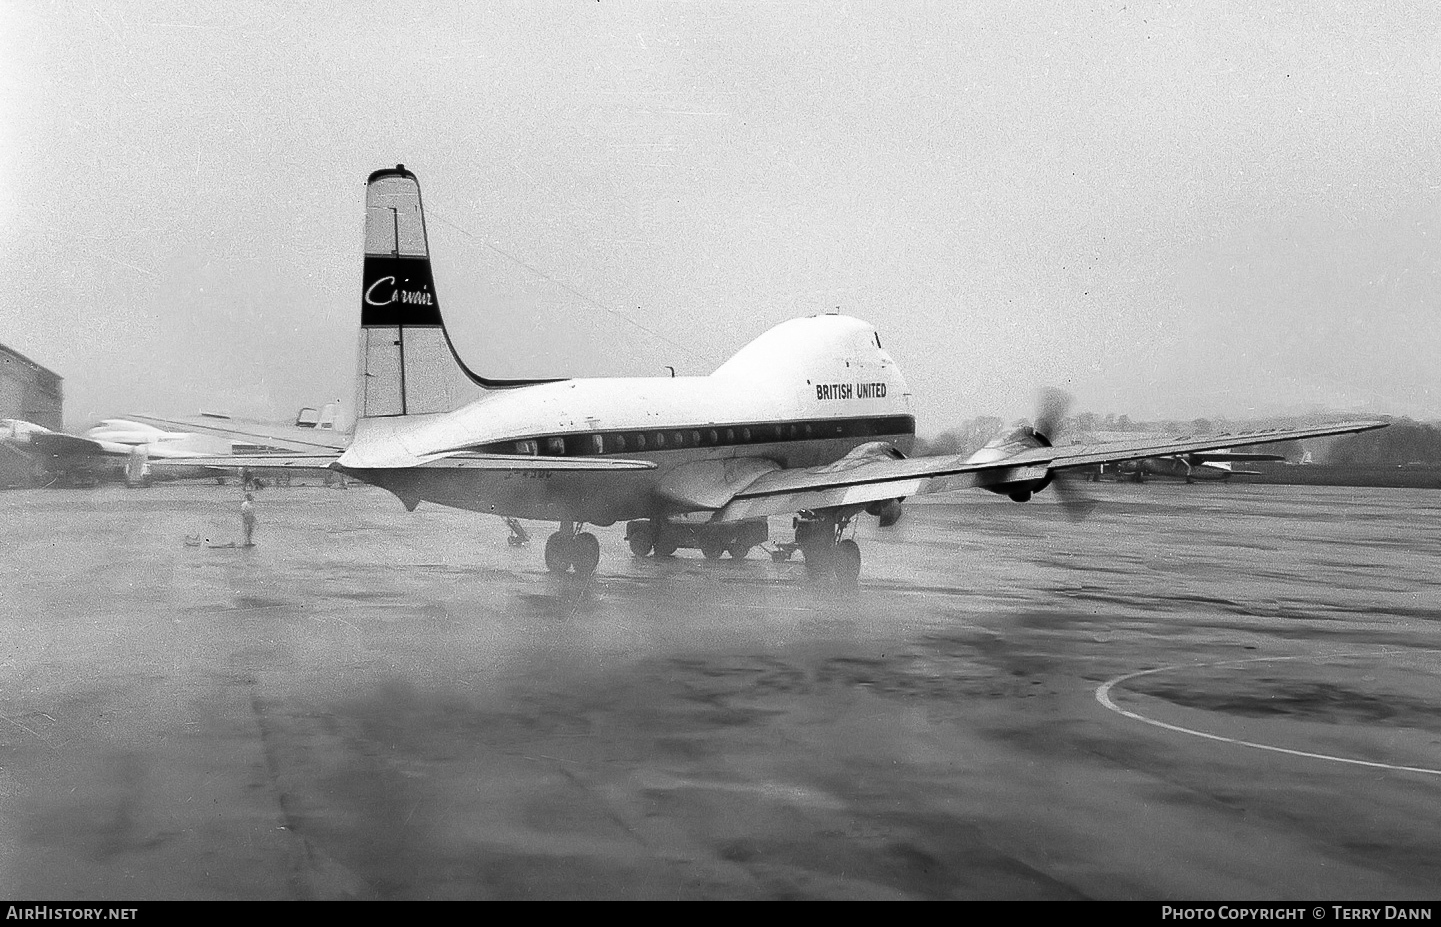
[559, 446]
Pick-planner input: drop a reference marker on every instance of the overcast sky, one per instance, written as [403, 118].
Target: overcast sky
[1183, 210]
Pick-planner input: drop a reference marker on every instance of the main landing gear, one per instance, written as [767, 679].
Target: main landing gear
[569, 548]
[829, 557]
[664, 538]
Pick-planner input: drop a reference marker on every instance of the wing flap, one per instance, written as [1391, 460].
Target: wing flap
[836, 497]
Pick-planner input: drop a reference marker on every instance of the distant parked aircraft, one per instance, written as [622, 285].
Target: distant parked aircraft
[1201, 466]
[114, 449]
[123, 448]
[1189, 467]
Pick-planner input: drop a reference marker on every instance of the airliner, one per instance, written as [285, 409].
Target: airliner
[813, 419]
[114, 448]
[127, 447]
[1201, 467]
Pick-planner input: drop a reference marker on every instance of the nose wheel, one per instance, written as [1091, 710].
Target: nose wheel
[569, 549]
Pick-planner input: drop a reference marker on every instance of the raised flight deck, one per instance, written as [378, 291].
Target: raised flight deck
[1201, 692]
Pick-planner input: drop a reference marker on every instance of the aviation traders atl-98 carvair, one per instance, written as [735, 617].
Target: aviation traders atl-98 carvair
[813, 417]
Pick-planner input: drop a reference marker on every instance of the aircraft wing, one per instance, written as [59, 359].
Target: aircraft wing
[1080, 455]
[868, 478]
[287, 437]
[56, 444]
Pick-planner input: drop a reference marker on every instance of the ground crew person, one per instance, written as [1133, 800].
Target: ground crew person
[247, 518]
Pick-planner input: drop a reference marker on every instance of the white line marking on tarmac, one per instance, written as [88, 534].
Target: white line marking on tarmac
[1103, 695]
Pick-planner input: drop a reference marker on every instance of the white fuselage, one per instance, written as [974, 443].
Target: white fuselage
[804, 393]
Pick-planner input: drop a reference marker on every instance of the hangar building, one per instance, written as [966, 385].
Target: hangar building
[31, 393]
[28, 391]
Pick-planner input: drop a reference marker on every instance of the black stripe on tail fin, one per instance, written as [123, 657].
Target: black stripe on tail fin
[408, 365]
[397, 286]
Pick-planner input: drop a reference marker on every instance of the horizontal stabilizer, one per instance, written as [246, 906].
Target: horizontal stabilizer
[258, 462]
[286, 437]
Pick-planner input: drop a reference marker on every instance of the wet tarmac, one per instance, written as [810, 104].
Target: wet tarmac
[1201, 692]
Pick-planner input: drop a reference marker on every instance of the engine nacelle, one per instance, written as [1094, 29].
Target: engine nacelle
[887, 510]
[1017, 483]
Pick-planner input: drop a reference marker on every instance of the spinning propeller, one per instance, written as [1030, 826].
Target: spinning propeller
[1052, 407]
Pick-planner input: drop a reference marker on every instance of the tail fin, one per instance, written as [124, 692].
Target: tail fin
[407, 364]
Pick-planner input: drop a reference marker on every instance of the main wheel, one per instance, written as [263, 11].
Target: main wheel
[557, 552]
[848, 563]
[585, 553]
[738, 550]
[641, 541]
[712, 551]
